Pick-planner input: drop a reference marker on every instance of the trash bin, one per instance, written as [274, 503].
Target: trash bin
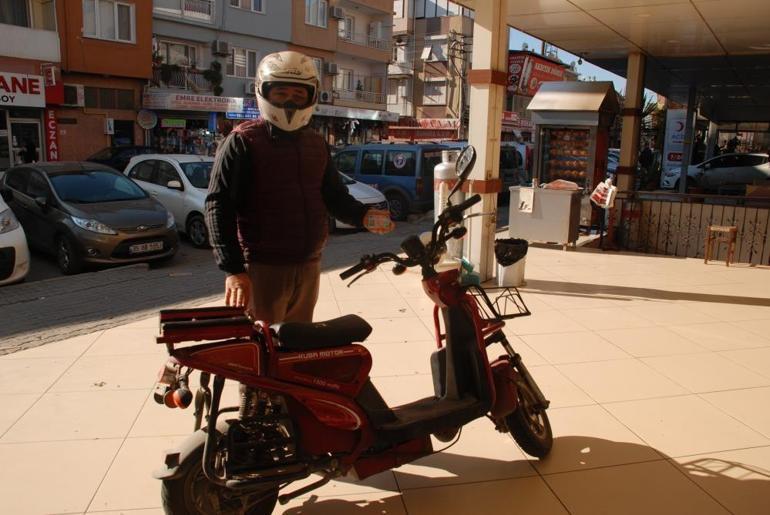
[511, 254]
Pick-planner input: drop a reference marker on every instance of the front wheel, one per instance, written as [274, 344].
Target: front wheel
[529, 425]
[191, 493]
[198, 232]
[67, 256]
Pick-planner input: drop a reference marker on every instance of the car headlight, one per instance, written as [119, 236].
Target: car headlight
[170, 220]
[8, 221]
[93, 226]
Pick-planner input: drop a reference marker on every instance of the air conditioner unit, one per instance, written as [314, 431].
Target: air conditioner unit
[325, 97]
[331, 69]
[250, 88]
[337, 13]
[220, 47]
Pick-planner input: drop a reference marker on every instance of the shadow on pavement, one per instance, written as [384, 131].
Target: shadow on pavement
[589, 475]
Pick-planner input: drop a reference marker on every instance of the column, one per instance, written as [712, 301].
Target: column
[632, 118]
[487, 101]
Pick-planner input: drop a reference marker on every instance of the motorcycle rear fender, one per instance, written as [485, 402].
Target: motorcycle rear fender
[174, 460]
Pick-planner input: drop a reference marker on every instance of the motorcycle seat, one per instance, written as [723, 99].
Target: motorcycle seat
[302, 336]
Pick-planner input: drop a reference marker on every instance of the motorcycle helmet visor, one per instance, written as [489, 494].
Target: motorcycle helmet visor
[288, 94]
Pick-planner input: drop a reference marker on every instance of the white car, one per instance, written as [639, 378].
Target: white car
[14, 253]
[363, 193]
[180, 182]
[721, 172]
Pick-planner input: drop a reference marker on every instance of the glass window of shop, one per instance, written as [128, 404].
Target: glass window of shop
[183, 136]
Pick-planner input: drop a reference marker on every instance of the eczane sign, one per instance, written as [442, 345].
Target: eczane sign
[21, 90]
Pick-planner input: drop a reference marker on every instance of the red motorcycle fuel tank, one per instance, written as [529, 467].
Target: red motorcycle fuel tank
[342, 370]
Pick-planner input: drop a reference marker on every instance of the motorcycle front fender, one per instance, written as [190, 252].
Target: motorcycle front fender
[175, 459]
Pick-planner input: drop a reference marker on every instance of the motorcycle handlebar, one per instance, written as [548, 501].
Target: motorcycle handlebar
[462, 206]
[353, 270]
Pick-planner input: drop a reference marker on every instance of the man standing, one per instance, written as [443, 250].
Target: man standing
[273, 186]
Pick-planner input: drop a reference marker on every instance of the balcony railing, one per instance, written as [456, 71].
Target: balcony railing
[194, 9]
[180, 78]
[366, 40]
[360, 95]
[400, 70]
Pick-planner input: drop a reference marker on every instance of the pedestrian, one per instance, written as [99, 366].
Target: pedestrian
[29, 152]
[699, 149]
[646, 157]
[272, 190]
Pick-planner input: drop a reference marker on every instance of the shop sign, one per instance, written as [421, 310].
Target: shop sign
[673, 146]
[187, 102]
[527, 71]
[21, 90]
[146, 119]
[109, 126]
[173, 123]
[54, 87]
[355, 114]
[51, 136]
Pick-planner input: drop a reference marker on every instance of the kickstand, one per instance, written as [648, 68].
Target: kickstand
[283, 499]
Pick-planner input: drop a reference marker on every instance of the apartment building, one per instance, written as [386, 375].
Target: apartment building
[204, 60]
[105, 61]
[427, 90]
[30, 80]
[350, 42]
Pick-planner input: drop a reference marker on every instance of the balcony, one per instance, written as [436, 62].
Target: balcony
[179, 77]
[364, 40]
[29, 43]
[200, 10]
[360, 95]
[356, 90]
[398, 70]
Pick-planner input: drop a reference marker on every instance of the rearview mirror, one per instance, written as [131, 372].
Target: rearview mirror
[174, 185]
[464, 165]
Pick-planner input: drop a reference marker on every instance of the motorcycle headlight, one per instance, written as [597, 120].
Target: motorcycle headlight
[170, 220]
[8, 221]
[93, 226]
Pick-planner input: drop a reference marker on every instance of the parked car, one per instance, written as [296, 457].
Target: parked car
[85, 213]
[727, 172]
[180, 182]
[372, 197]
[118, 157]
[403, 172]
[14, 254]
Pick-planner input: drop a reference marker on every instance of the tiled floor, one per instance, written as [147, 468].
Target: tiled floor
[658, 370]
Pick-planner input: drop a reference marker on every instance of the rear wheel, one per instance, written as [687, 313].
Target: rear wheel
[529, 424]
[193, 494]
[399, 206]
[197, 231]
[67, 256]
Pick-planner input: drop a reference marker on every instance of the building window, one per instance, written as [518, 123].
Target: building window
[434, 91]
[319, 66]
[178, 53]
[92, 96]
[398, 8]
[434, 50]
[257, 6]
[242, 63]
[347, 28]
[345, 80]
[36, 14]
[316, 13]
[107, 19]
[126, 99]
[108, 98]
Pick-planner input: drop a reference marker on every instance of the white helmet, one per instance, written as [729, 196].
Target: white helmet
[287, 68]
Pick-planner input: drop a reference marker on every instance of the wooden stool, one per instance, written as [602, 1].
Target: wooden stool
[721, 234]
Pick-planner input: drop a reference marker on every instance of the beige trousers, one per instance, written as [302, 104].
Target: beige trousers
[283, 293]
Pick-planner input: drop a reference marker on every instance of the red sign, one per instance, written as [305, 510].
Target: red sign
[54, 87]
[526, 71]
[51, 136]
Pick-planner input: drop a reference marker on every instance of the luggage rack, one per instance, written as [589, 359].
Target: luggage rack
[499, 302]
[196, 324]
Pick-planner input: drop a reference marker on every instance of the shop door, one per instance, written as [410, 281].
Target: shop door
[25, 141]
[124, 133]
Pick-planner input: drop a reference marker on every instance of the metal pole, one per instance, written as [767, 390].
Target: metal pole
[688, 139]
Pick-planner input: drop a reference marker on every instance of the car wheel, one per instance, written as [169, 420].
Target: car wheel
[67, 256]
[399, 206]
[197, 231]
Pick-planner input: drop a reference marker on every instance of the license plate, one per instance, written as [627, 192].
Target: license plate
[140, 248]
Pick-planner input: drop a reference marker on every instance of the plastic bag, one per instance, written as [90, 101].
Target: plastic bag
[510, 250]
[604, 194]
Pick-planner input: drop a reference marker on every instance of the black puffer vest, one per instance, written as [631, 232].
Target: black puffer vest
[284, 218]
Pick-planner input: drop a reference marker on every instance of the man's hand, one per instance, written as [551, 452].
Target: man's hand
[378, 221]
[237, 290]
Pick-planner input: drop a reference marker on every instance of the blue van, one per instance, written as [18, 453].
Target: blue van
[403, 172]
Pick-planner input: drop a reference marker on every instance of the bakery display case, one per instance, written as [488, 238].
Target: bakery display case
[566, 154]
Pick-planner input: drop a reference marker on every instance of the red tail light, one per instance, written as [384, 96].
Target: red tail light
[418, 186]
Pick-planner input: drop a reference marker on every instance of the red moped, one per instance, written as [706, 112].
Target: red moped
[307, 404]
